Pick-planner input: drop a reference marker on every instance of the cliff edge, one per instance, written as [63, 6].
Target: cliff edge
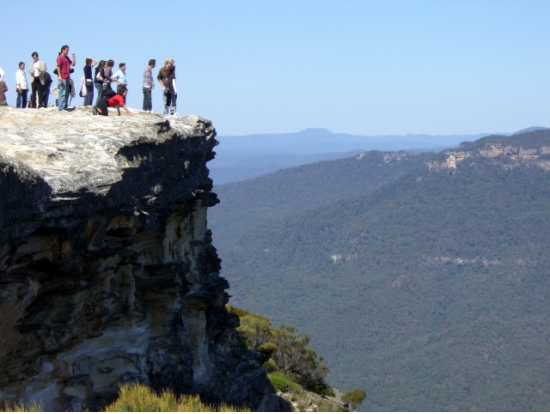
[107, 271]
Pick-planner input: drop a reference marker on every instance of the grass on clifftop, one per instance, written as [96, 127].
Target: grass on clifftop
[138, 397]
[33, 408]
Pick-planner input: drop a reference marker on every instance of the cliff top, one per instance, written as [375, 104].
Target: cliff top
[75, 150]
[54, 162]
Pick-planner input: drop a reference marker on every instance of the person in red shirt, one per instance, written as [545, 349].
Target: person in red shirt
[112, 100]
[64, 75]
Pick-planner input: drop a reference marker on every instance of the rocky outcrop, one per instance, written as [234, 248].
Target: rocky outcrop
[498, 153]
[390, 157]
[107, 271]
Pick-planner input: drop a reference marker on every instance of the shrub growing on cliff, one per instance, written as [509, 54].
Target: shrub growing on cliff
[294, 356]
[283, 349]
[354, 397]
[140, 398]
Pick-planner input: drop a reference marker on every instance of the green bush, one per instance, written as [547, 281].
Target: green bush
[281, 383]
[270, 366]
[266, 350]
[286, 348]
[354, 397]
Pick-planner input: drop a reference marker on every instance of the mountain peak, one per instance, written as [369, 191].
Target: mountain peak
[530, 129]
[315, 131]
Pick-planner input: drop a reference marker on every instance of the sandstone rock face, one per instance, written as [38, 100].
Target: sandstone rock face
[508, 156]
[107, 272]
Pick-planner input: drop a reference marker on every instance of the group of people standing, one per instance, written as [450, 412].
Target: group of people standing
[98, 76]
[40, 83]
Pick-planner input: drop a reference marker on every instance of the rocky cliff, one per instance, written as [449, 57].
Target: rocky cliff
[493, 149]
[107, 271]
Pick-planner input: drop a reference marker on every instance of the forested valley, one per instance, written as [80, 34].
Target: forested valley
[425, 284]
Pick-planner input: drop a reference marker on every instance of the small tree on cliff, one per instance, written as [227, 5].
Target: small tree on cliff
[354, 397]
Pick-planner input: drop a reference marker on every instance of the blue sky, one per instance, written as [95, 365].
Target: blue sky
[360, 67]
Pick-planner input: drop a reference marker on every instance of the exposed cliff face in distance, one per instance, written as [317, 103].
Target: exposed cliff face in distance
[107, 272]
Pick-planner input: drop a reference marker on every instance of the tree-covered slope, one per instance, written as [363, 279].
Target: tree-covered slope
[430, 293]
[248, 203]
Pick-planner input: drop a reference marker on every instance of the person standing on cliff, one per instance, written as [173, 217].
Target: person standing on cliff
[148, 86]
[64, 75]
[107, 75]
[37, 68]
[120, 77]
[3, 90]
[46, 78]
[162, 77]
[172, 92]
[89, 80]
[22, 86]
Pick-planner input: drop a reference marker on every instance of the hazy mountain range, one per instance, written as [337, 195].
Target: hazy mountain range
[242, 157]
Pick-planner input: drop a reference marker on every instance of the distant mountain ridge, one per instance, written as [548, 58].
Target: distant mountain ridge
[266, 153]
[530, 129]
[430, 292]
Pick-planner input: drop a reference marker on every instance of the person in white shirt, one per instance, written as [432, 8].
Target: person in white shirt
[1, 75]
[37, 68]
[120, 77]
[22, 86]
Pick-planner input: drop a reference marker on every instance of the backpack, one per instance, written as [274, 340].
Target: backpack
[45, 79]
[99, 76]
[83, 89]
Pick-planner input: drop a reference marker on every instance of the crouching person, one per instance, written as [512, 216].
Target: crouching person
[112, 100]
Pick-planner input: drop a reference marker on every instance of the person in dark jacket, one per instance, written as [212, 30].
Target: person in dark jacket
[162, 77]
[46, 78]
[89, 81]
[108, 74]
[171, 92]
[98, 80]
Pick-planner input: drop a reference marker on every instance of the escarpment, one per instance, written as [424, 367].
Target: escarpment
[527, 149]
[107, 271]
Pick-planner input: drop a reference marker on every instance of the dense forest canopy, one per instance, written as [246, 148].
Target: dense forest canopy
[429, 292]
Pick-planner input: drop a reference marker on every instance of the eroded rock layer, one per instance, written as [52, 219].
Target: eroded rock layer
[107, 272]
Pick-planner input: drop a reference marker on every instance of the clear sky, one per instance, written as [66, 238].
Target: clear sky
[360, 67]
